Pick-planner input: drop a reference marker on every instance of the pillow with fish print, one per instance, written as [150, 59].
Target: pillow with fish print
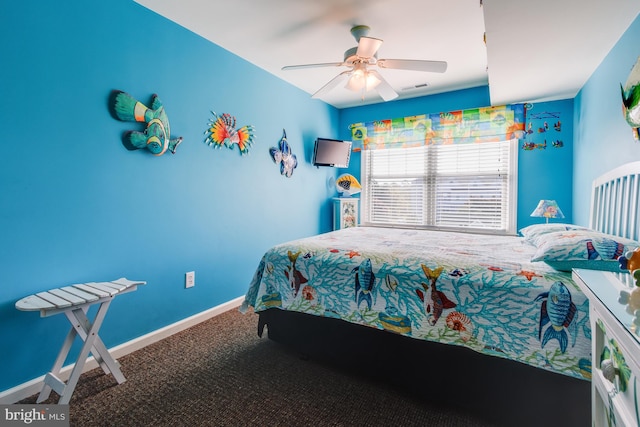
[582, 248]
[531, 233]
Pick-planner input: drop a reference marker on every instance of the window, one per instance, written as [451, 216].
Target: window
[470, 187]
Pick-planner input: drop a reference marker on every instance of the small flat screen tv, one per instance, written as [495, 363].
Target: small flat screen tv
[331, 152]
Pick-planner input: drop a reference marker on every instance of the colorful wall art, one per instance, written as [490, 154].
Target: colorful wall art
[222, 132]
[544, 129]
[631, 99]
[157, 135]
[347, 185]
[283, 156]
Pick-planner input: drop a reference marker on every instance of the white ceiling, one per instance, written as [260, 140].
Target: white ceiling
[535, 51]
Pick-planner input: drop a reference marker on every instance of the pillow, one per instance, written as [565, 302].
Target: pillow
[582, 248]
[532, 232]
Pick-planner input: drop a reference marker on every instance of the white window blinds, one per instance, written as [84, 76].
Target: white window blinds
[470, 187]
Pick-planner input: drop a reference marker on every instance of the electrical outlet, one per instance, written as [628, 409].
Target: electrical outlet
[190, 279]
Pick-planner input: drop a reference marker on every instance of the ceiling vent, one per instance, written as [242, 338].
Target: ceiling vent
[415, 87]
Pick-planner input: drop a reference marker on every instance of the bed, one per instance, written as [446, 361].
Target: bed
[451, 316]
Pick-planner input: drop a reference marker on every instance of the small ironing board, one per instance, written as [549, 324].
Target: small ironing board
[74, 301]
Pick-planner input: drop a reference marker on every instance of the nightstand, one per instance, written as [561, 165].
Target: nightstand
[345, 212]
[615, 346]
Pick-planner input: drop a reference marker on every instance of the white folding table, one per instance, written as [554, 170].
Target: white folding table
[74, 301]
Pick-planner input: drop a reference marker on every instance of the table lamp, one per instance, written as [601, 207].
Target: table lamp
[547, 209]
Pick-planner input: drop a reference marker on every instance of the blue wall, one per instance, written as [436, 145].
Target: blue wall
[547, 173]
[602, 138]
[77, 206]
[542, 173]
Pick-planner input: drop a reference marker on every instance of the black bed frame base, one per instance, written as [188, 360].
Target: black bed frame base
[501, 391]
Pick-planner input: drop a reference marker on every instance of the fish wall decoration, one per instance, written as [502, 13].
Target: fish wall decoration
[282, 155]
[631, 99]
[157, 135]
[222, 132]
[347, 185]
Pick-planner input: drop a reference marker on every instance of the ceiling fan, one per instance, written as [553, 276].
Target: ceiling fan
[362, 61]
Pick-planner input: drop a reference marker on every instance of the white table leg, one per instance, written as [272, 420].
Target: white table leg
[88, 332]
[57, 365]
[91, 335]
[82, 318]
[108, 364]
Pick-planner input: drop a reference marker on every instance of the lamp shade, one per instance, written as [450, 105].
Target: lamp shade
[362, 79]
[547, 209]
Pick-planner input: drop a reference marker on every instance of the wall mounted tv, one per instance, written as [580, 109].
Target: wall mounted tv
[331, 152]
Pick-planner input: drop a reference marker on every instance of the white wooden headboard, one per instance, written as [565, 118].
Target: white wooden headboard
[614, 202]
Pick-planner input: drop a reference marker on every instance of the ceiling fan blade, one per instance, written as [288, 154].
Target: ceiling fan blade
[368, 46]
[324, 64]
[384, 89]
[415, 65]
[332, 84]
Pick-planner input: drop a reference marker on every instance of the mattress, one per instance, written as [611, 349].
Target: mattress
[477, 291]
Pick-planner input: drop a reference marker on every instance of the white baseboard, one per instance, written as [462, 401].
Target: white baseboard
[22, 391]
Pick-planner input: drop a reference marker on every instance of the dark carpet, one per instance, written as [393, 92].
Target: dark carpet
[220, 373]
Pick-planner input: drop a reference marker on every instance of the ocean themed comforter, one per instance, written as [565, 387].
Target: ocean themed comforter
[477, 291]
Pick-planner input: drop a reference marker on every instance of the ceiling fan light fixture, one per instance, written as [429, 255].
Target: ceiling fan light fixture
[362, 79]
[372, 81]
[355, 83]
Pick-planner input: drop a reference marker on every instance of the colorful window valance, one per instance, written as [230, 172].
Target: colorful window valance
[487, 124]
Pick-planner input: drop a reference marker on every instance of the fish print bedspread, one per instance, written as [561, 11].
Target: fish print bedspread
[478, 291]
